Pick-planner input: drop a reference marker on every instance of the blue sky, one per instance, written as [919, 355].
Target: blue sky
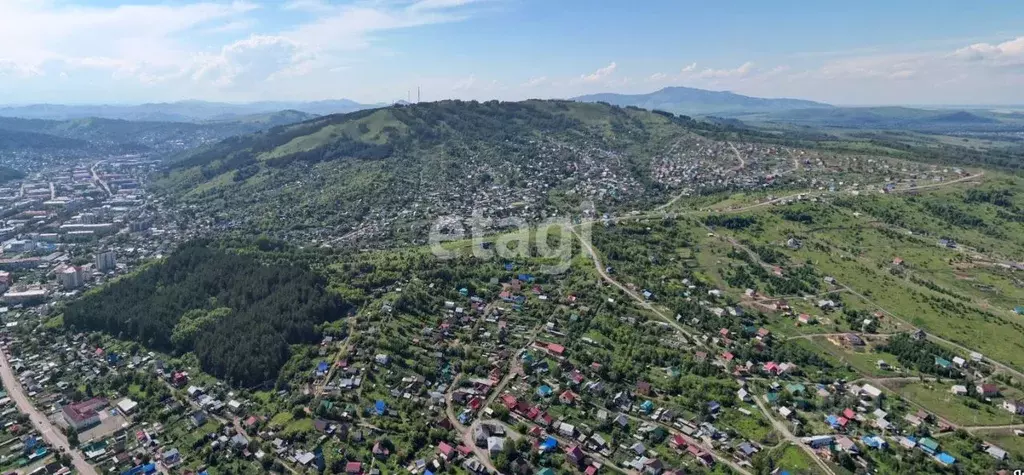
[863, 53]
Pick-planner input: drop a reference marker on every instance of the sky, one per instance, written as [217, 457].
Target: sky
[907, 52]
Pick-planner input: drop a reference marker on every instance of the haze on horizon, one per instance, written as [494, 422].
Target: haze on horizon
[110, 51]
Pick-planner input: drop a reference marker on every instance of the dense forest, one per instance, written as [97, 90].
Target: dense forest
[8, 174]
[237, 314]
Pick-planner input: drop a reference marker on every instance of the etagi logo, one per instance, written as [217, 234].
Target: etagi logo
[549, 242]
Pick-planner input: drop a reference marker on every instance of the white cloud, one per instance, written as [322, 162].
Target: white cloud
[600, 73]
[257, 58]
[439, 4]
[126, 38]
[534, 82]
[232, 26]
[311, 6]
[170, 42]
[741, 71]
[11, 68]
[1008, 53]
[903, 74]
[314, 49]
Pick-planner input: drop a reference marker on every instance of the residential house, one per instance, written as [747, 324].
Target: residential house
[996, 452]
[1013, 406]
[987, 390]
[495, 445]
[928, 445]
[85, 414]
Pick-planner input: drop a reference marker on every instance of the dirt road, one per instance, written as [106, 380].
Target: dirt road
[782, 429]
[637, 297]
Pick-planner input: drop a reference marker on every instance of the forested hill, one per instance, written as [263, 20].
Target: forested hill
[237, 314]
[101, 134]
[22, 140]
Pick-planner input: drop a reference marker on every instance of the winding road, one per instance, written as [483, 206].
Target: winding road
[642, 301]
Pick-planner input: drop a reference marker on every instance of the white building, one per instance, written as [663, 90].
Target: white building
[127, 406]
[70, 277]
[15, 297]
[106, 261]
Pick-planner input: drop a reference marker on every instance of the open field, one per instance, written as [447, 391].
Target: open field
[960, 410]
[792, 459]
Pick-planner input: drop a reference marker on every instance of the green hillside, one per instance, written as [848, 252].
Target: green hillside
[138, 135]
[392, 171]
[334, 170]
[24, 140]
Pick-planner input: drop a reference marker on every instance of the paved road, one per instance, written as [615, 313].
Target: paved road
[96, 177]
[51, 434]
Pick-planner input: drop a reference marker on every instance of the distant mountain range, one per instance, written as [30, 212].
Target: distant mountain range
[756, 110]
[98, 134]
[713, 105]
[185, 111]
[690, 101]
[890, 118]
